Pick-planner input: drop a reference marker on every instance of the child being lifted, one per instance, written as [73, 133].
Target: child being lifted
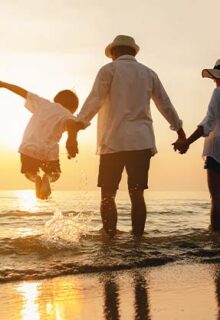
[39, 148]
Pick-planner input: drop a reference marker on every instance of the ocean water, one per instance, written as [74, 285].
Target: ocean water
[62, 236]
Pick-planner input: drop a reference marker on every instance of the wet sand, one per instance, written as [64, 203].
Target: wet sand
[169, 292]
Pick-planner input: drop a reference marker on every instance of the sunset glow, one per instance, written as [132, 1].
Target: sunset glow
[45, 62]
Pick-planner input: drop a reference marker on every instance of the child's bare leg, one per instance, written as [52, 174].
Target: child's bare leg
[47, 178]
[34, 177]
[31, 176]
[45, 187]
[53, 176]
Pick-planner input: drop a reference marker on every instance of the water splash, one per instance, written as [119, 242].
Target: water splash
[68, 228]
[63, 227]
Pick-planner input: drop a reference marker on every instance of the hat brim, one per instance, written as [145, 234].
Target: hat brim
[112, 45]
[211, 73]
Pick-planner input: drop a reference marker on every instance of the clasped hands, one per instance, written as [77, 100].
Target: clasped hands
[71, 147]
[71, 143]
[181, 144]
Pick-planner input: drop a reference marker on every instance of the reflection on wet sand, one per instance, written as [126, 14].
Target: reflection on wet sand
[183, 292]
[58, 301]
[217, 289]
[66, 298]
[141, 308]
[29, 293]
[111, 298]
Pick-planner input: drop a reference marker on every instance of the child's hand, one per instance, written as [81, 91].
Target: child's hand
[72, 148]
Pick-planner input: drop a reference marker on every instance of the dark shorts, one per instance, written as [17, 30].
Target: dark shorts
[31, 165]
[212, 164]
[136, 163]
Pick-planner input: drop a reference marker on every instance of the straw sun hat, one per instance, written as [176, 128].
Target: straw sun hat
[212, 73]
[121, 40]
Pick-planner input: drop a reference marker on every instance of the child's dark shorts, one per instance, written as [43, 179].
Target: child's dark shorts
[136, 163]
[212, 164]
[31, 165]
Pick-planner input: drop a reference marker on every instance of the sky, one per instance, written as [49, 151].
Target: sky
[47, 45]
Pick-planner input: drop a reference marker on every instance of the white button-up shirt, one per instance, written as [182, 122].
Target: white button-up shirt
[121, 95]
[45, 128]
[211, 127]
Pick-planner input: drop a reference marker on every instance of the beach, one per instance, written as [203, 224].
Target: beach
[109, 101]
[56, 263]
[168, 292]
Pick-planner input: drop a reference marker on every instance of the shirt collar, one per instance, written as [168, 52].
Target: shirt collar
[126, 57]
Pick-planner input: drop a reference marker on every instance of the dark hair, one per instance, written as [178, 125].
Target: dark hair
[121, 50]
[68, 99]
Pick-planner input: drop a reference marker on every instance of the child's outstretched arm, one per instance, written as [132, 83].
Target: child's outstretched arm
[16, 89]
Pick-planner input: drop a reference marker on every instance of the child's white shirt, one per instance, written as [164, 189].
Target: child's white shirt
[45, 128]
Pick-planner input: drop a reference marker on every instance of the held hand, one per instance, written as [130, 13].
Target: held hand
[181, 145]
[72, 148]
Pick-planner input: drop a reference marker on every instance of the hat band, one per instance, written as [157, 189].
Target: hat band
[217, 67]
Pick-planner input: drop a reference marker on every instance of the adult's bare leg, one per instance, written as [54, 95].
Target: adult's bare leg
[109, 211]
[138, 211]
[214, 189]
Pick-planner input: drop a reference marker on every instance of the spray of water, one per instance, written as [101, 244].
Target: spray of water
[62, 227]
[66, 229]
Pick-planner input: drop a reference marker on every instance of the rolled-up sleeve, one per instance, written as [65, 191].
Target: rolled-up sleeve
[164, 104]
[209, 122]
[97, 96]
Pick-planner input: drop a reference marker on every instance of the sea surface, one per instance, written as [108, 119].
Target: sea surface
[62, 236]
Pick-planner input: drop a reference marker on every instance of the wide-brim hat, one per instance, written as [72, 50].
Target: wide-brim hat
[121, 40]
[212, 73]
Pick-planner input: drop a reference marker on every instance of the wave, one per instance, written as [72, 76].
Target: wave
[36, 243]
[22, 213]
[8, 275]
[94, 252]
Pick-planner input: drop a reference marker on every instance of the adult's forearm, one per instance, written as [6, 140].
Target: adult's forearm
[198, 133]
[15, 89]
[181, 133]
[73, 127]
[88, 111]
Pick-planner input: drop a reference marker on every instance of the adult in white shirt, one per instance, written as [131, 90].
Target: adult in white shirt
[121, 96]
[39, 149]
[210, 129]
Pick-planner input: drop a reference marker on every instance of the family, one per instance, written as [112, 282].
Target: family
[121, 96]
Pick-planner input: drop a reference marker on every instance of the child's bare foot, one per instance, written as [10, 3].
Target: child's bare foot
[38, 183]
[45, 189]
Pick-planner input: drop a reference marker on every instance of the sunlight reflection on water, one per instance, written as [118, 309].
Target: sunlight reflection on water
[27, 199]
